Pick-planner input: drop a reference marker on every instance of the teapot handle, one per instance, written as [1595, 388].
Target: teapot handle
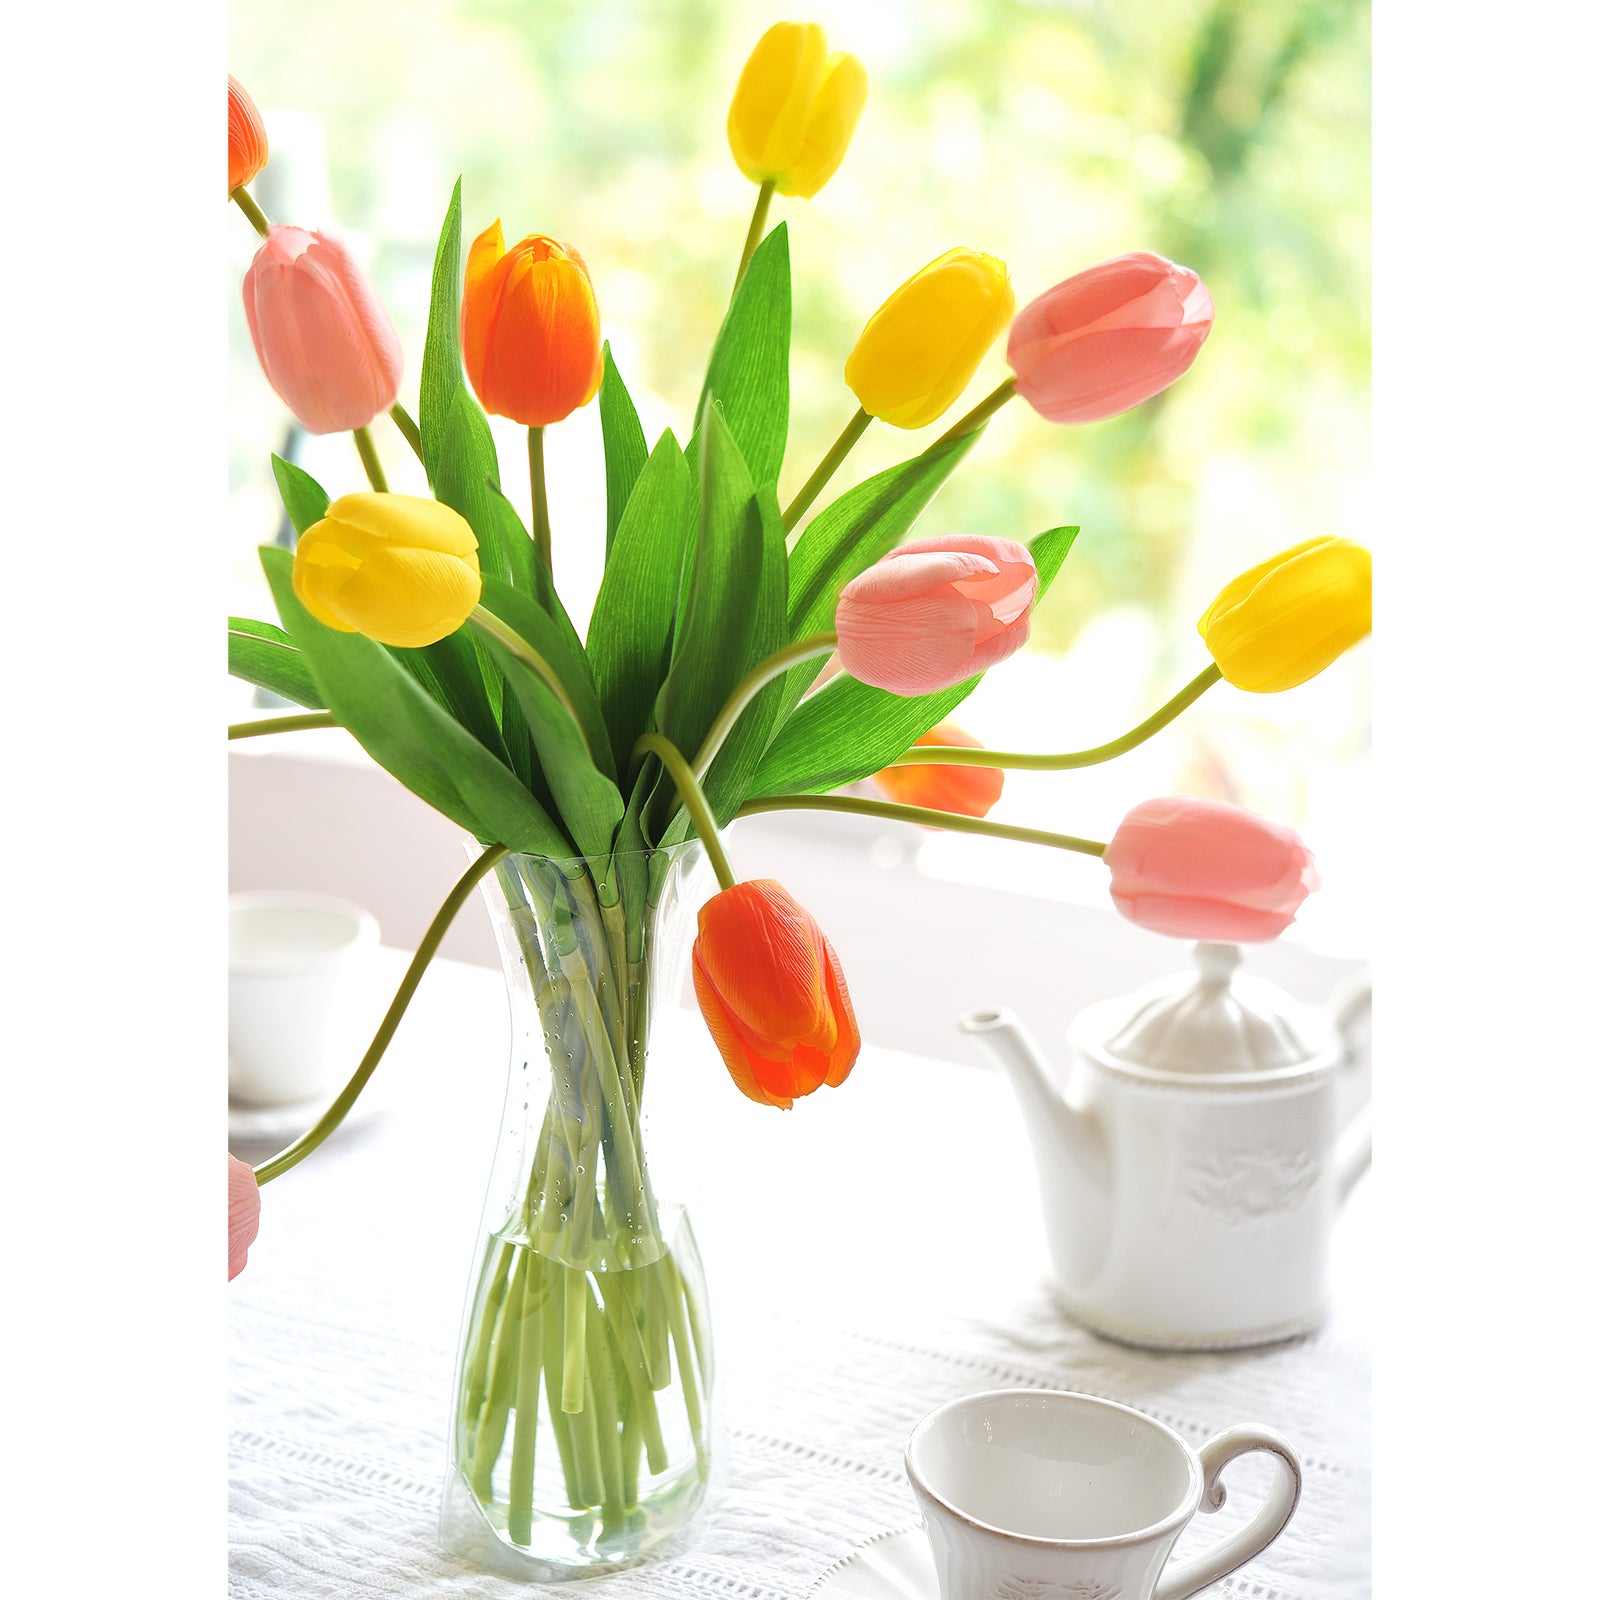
[1352, 1007]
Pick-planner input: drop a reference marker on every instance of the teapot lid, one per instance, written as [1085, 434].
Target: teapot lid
[1214, 1021]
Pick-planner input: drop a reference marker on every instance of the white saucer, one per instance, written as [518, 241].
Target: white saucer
[888, 1566]
[281, 1125]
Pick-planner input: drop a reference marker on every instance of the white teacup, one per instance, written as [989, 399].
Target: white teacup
[1033, 1493]
[295, 965]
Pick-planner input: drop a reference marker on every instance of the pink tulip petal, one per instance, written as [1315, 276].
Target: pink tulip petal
[906, 574]
[915, 646]
[244, 1214]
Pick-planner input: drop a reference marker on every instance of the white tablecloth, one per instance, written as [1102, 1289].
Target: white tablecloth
[869, 1255]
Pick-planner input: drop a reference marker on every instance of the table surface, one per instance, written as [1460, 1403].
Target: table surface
[869, 1255]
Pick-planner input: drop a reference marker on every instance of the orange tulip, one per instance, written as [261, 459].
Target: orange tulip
[772, 994]
[969, 791]
[530, 328]
[247, 136]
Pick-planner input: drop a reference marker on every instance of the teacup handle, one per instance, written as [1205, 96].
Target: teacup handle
[1191, 1576]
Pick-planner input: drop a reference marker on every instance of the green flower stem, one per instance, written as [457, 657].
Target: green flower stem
[541, 505]
[487, 622]
[258, 218]
[413, 434]
[758, 227]
[693, 798]
[335, 1114]
[311, 719]
[978, 415]
[754, 681]
[941, 755]
[369, 459]
[814, 485]
[928, 818]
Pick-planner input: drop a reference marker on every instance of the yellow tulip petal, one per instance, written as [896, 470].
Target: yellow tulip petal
[410, 598]
[828, 129]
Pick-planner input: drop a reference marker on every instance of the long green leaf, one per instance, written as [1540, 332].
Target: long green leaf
[724, 629]
[849, 730]
[466, 476]
[749, 369]
[266, 656]
[625, 447]
[630, 631]
[410, 736]
[441, 348]
[304, 498]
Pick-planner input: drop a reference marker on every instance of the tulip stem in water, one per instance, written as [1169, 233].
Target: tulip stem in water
[310, 719]
[330, 1119]
[693, 798]
[814, 485]
[978, 415]
[258, 218]
[950, 820]
[413, 434]
[927, 755]
[369, 459]
[541, 506]
[754, 681]
[758, 226]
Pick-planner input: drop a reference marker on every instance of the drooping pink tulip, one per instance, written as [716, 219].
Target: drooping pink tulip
[1202, 869]
[932, 614]
[1109, 338]
[244, 1214]
[321, 334]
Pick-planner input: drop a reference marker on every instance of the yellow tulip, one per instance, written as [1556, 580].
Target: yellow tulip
[1284, 621]
[399, 569]
[925, 341]
[795, 109]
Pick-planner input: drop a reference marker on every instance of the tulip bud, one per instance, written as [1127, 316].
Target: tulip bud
[1109, 338]
[399, 569]
[324, 341]
[934, 613]
[772, 994]
[1285, 620]
[530, 328]
[1202, 869]
[968, 791]
[244, 1214]
[923, 344]
[247, 136]
[795, 109]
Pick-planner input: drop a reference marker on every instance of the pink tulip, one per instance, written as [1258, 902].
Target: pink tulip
[1108, 338]
[1202, 869]
[244, 1214]
[932, 614]
[321, 334]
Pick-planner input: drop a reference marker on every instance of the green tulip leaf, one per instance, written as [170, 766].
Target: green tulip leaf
[630, 631]
[441, 348]
[466, 477]
[408, 734]
[266, 656]
[626, 451]
[749, 369]
[849, 730]
[303, 497]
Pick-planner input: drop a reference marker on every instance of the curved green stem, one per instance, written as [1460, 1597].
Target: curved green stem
[330, 1119]
[413, 434]
[693, 797]
[258, 218]
[369, 459]
[541, 506]
[949, 820]
[814, 485]
[489, 623]
[978, 415]
[753, 682]
[940, 755]
[310, 719]
[758, 226]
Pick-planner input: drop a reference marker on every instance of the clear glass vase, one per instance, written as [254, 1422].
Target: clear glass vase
[580, 1427]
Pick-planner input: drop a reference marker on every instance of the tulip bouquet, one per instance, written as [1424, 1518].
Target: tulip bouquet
[590, 769]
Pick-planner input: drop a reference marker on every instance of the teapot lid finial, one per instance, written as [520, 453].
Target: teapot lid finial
[1211, 1020]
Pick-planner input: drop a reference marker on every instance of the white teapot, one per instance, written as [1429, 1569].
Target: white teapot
[1192, 1167]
